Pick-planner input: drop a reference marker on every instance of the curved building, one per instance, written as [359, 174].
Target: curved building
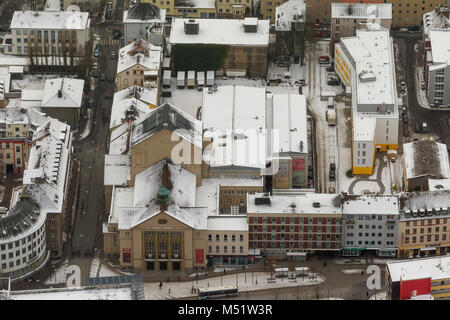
[23, 247]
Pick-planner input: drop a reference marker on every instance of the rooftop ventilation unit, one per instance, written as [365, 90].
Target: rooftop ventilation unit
[262, 199]
[251, 25]
[191, 27]
[316, 204]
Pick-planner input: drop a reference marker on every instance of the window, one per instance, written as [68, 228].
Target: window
[225, 237]
[217, 237]
[209, 237]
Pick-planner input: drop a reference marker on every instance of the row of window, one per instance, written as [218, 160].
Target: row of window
[422, 238]
[300, 236]
[24, 250]
[388, 243]
[360, 234]
[16, 244]
[292, 244]
[225, 237]
[429, 222]
[429, 230]
[370, 217]
[225, 249]
[292, 229]
[284, 220]
[360, 226]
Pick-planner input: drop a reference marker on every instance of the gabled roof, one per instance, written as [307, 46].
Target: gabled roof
[71, 93]
[144, 12]
[167, 116]
[139, 52]
[50, 20]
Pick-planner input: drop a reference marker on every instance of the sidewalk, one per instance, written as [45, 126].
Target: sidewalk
[422, 99]
[245, 281]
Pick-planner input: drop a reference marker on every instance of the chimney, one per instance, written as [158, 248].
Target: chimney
[191, 27]
[138, 58]
[60, 94]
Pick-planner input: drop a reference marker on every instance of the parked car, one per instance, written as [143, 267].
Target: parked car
[320, 34]
[404, 111]
[95, 72]
[330, 68]
[405, 118]
[116, 34]
[417, 128]
[414, 28]
[166, 94]
[332, 167]
[113, 55]
[90, 104]
[102, 77]
[332, 175]
[324, 59]
[424, 127]
[296, 59]
[96, 53]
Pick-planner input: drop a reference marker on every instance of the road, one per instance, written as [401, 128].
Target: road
[90, 214]
[408, 59]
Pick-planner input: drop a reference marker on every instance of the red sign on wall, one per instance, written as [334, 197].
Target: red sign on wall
[199, 256]
[417, 287]
[298, 164]
[126, 255]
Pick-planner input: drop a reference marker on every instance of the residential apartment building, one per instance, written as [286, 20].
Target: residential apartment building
[366, 64]
[47, 33]
[46, 179]
[243, 45]
[424, 225]
[234, 9]
[407, 13]
[347, 17]
[16, 130]
[142, 18]
[267, 10]
[305, 222]
[424, 160]
[84, 5]
[186, 8]
[139, 63]
[425, 279]
[369, 223]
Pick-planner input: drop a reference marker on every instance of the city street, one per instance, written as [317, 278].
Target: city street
[87, 232]
[407, 60]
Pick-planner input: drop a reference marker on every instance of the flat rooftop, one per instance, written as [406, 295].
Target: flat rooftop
[434, 268]
[296, 204]
[361, 10]
[50, 20]
[440, 45]
[220, 31]
[228, 223]
[385, 205]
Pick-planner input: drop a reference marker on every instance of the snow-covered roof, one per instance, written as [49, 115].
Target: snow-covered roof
[32, 95]
[132, 102]
[361, 10]
[50, 20]
[234, 117]
[48, 164]
[438, 184]
[426, 200]
[13, 116]
[167, 116]
[440, 45]
[426, 157]
[117, 169]
[144, 12]
[132, 206]
[10, 60]
[139, 52]
[372, 52]
[436, 19]
[76, 293]
[296, 204]
[119, 139]
[71, 93]
[363, 128]
[366, 204]
[289, 119]
[434, 268]
[288, 12]
[207, 194]
[201, 4]
[52, 5]
[228, 223]
[220, 31]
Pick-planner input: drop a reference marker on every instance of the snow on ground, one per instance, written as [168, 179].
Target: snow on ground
[244, 281]
[379, 296]
[59, 276]
[95, 268]
[349, 261]
[345, 164]
[396, 170]
[87, 129]
[422, 98]
[221, 269]
[106, 272]
[366, 187]
[2, 193]
[331, 298]
[32, 81]
[351, 271]
[386, 177]
[74, 294]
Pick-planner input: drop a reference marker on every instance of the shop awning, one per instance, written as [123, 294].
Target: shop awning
[428, 249]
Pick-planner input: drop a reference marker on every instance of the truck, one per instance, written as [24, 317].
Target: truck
[200, 80]
[191, 79]
[166, 79]
[209, 78]
[331, 117]
[180, 79]
[109, 9]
